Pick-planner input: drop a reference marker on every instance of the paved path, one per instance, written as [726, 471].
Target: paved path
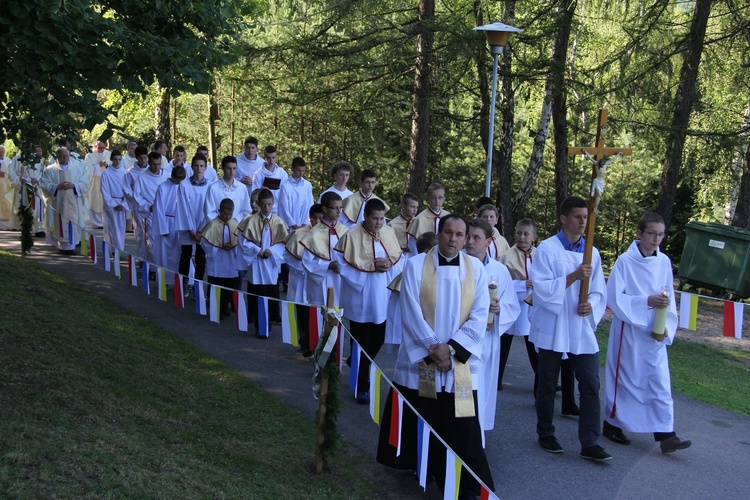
[717, 465]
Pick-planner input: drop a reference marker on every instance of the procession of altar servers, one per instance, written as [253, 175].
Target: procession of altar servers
[246, 224]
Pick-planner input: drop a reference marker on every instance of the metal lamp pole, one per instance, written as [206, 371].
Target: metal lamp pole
[497, 36]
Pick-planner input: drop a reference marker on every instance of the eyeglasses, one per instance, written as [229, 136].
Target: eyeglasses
[653, 233]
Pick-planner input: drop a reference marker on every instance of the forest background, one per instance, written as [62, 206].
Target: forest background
[403, 87]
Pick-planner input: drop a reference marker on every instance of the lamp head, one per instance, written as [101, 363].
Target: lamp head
[497, 35]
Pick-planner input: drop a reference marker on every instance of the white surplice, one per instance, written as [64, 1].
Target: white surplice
[235, 191]
[263, 174]
[295, 199]
[555, 323]
[418, 336]
[171, 217]
[144, 194]
[114, 194]
[509, 310]
[644, 391]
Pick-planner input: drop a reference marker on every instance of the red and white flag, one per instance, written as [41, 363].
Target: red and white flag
[733, 317]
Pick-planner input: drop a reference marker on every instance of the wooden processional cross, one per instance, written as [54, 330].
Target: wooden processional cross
[597, 156]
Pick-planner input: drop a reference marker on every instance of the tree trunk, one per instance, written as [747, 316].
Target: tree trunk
[503, 161]
[736, 171]
[420, 111]
[742, 210]
[163, 124]
[683, 105]
[213, 118]
[537, 154]
[566, 10]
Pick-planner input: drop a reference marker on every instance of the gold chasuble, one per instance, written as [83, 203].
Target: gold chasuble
[353, 204]
[399, 226]
[213, 232]
[428, 299]
[425, 222]
[358, 247]
[515, 260]
[251, 228]
[317, 241]
[293, 242]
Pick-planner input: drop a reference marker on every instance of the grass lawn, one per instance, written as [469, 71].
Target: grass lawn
[97, 402]
[716, 376]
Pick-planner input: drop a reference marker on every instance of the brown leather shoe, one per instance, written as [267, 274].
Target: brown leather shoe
[673, 444]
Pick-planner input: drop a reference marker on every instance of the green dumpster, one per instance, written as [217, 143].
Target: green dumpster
[716, 257]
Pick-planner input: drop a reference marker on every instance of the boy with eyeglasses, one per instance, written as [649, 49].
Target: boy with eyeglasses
[639, 391]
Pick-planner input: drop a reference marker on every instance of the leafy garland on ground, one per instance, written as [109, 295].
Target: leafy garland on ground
[331, 439]
[30, 161]
[27, 226]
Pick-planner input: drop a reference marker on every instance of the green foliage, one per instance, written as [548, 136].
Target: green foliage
[60, 55]
[109, 405]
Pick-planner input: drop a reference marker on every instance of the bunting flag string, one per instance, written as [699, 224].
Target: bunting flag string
[397, 415]
[132, 271]
[354, 368]
[313, 327]
[92, 248]
[191, 274]
[423, 451]
[452, 476]
[161, 283]
[179, 292]
[241, 308]
[375, 393]
[118, 273]
[340, 349]
[106, 264]
[289, 334]
[84, 244]
[200, 298]
[262, 316]
[144, 277]
[733, 318]
[688, 311]
[213, 303]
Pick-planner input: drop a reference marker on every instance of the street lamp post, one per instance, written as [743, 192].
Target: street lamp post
[497, 37]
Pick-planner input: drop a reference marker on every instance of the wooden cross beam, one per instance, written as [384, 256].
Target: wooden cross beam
[599, 152]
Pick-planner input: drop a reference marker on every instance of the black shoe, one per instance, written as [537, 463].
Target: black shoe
[595, 453]
[550, 444]
[68, 252]
[39, 234]
[673, 444]
[363, 398]
[571, 411]
[614, 434]
[307, 353]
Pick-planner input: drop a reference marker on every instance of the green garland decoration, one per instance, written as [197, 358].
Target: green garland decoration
[334, 405]
[331, 438]
[27, 227]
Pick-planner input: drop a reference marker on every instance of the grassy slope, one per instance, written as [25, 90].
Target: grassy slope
[108, 404]
[716, 376]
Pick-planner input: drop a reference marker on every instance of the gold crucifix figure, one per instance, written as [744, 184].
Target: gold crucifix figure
[600, 164]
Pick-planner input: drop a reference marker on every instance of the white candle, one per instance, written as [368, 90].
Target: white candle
[660, 319]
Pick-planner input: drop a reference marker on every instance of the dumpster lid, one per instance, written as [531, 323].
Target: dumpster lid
[718, 229]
